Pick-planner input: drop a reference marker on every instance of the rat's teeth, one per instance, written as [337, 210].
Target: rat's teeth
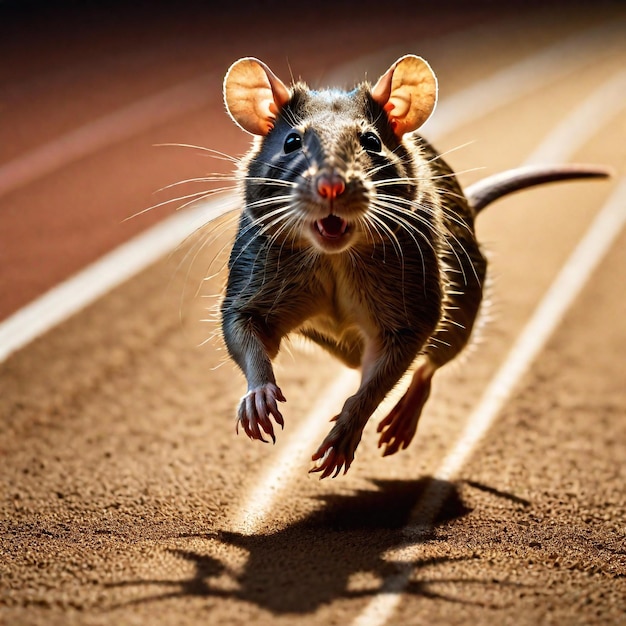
[332, 226]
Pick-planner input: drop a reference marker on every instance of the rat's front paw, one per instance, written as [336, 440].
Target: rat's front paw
[255, 410]
[337, 451]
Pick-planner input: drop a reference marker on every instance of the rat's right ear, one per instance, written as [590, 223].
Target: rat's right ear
[253, 95]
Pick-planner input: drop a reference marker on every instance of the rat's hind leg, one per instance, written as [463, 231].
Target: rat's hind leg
[461, 307]
[398, 428]
[384, 363]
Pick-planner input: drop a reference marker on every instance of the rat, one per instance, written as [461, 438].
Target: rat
[356, 235]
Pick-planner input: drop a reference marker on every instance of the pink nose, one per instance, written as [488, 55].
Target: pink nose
[329, 186]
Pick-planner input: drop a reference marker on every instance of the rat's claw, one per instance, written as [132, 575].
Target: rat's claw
[395, 432]
[255, 410]
[331, 462]
[336, 452]
[397, 429]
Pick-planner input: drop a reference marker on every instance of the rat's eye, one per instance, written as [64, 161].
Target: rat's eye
[371, 142]
[293, 142]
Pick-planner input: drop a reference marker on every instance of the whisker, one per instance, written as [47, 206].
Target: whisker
[428, 209]
[268, 202]
[387, 209]
[277, 214]
[395, 212]
[267, 246]
[447, 234]
[222, 156]
[445, 153]
[211, 178]
[400, 253]
[381, 229]
[195, 197]
[368, 226]
[200, 239]
[421, 179]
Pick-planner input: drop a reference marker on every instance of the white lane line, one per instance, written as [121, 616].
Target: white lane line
[114, 127]
[563, 292]
[313, 426]
[50, 309]
[111, 270]
[595, 112]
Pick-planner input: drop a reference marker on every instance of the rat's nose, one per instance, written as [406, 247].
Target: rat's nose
[329, 186]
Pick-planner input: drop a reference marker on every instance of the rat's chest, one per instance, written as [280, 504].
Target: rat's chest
[345, 308]
[361, 300]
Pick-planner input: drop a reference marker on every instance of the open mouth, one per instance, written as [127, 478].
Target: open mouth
[332, 227]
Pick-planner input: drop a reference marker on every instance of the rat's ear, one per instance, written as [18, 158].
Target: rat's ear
[253, 95]
[408, 93]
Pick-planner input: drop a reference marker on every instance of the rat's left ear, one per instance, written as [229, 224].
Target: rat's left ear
[407, 91]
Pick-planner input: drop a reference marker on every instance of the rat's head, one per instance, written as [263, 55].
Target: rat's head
[330, 168]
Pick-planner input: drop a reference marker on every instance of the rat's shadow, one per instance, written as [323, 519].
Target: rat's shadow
[301, 567]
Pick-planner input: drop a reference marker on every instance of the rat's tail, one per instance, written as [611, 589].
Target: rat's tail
[486, 191]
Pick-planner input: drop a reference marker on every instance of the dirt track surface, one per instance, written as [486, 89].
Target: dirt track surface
[125, 495]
